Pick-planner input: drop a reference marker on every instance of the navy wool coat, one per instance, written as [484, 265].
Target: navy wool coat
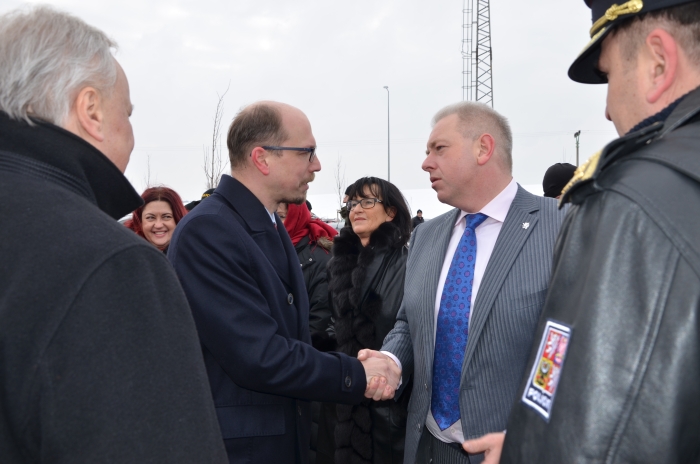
[242, 278]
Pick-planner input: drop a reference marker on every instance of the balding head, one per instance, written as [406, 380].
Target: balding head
[477, 119]
[261, 123]
[272, 151]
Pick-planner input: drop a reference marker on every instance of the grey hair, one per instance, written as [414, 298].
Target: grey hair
[477, 119]
[46, 58]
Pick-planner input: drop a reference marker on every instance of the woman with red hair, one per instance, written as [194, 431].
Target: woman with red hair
[312, 239]
[156, 219]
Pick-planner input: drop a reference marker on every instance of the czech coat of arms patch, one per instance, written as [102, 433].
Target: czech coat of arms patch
[542, 383]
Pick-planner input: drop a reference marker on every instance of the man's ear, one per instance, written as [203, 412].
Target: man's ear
[86, 118]
[660, 54]
[485, 146]
[260, 158]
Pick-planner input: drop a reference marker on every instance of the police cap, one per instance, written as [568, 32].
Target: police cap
[606, 15]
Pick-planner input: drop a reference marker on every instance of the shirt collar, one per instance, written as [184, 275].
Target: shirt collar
[497, 208]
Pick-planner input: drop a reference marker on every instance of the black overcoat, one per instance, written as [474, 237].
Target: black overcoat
[246, 290]
[99, 357]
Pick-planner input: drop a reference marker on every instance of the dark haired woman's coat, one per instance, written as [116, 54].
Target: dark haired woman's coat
[366, 288]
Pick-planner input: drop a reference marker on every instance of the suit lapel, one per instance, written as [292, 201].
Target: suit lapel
[256, 218]
[508, 245]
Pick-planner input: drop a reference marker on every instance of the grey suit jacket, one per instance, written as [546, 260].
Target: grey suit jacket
[503, 321]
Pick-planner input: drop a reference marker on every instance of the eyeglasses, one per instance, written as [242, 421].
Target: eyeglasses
[366, 203]
[310, 151]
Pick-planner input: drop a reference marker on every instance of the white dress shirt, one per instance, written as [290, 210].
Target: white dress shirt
[486, 236]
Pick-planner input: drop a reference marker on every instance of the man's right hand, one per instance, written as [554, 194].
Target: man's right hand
[382, 373]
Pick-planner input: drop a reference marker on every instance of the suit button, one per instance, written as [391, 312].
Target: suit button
[426, 387]
[348, 381]
[299, 409]
[418, 427]
[290, 299]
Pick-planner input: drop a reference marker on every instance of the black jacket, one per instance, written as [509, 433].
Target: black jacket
[626, 288]
[416, 221]
[314, 260]
[366, 288]
[99, 356]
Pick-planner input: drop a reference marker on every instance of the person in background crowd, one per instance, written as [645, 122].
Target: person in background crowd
[312, 240]
[614, 374]
[556, 178]
[156, 219]
[99, 355]
[313, 216]
[476, 281]
[242, 277]
[417, 220]
[189, 206]
[344, 209]
[366, 280]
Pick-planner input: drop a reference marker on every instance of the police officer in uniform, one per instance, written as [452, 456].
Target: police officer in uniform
[614, 375]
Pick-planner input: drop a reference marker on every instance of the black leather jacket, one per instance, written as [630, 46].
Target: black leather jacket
[626, 288]
[366, 289]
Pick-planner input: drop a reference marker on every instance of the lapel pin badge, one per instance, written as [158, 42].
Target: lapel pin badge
[526, 225]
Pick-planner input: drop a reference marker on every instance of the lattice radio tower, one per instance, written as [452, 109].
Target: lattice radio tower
[477, 80]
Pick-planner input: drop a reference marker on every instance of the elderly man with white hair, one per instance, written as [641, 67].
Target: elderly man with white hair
[99, 357]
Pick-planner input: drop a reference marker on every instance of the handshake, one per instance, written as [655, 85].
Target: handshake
[383, 374]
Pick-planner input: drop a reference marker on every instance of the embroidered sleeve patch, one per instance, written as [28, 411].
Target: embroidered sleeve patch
[542, 384]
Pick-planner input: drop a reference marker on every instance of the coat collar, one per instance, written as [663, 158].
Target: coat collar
[272, 241]
[688, 108]
[51, 153]
[250, 208]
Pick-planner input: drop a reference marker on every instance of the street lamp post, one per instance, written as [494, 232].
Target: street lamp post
[388, 138]
[576, 136]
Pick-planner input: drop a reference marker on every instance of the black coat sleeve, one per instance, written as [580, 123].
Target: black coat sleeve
[235, 302]
[123, 379]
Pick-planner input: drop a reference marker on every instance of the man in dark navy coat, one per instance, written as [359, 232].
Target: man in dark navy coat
[242, 278]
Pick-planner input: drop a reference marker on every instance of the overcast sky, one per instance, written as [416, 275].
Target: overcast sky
[332, 60]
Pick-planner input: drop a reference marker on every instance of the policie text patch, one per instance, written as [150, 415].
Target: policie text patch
[542, 384]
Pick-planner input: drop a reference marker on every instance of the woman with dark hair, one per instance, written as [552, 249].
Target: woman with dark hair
[156, 219]
[366, 277]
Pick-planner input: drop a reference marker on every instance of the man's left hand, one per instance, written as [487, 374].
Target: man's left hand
[490, 444]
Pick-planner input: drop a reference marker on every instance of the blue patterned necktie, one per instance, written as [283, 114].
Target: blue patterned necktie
[453, 326]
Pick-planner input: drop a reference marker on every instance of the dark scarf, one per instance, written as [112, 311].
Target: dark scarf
[356, 306]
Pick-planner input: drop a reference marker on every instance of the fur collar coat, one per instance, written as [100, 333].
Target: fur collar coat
[366, 288]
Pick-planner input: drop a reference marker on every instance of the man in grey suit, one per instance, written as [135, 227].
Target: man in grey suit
[476, 281]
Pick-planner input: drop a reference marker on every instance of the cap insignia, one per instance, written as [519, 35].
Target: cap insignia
[612, 13]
